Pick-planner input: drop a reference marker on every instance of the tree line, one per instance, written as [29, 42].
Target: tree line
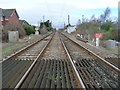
[102, 24]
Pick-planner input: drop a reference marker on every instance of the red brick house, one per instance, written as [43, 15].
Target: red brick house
[10, 17]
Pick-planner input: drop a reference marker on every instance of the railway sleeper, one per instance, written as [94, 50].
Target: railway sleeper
[45, 75]
[10, 74]
[72, 79]
[39, 81]
[53, 82]
[67, 76]
[6, 68]
[30, 76]
[48, 82]
[83, 69]
[62, 75]
[108, 74]
[100, 71]
[34, 78]
[19, 75]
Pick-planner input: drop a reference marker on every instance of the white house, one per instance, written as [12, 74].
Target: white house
[71, 29]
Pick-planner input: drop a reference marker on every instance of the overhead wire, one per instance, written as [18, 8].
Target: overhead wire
[62, 13]
[61, 17]
[50, 17]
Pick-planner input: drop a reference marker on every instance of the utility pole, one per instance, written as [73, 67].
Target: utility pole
[68, 20]
[43, 19]
[51, 22]
[64, 24]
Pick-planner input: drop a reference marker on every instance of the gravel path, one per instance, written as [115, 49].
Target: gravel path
[75, 50]
[55, 49]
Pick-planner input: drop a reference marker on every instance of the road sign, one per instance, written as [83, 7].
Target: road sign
[98, 35]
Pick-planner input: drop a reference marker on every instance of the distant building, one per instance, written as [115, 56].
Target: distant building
[71, 29]
[9, 16]
[23, 22]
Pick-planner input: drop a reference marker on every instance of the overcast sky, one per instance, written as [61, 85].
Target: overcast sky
[58, 10]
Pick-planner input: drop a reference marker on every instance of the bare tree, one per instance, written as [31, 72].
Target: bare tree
[105, 16]
[12, 27]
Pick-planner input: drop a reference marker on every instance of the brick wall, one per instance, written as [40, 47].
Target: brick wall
[11, 20]
[14, 19]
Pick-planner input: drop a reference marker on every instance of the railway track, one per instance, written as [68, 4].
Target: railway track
[51, 73]
[24, 52]
[95, 71]
[42, 71]
[108, 56]
[17, 64]
[57, 62]
[113, 60]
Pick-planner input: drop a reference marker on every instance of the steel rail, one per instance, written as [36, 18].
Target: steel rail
[32, 65]
[81, 85]
[23, 49]
[79, 80]
[97, 56]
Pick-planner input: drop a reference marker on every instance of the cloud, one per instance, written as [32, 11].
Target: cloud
[81, 4]
[55, 10]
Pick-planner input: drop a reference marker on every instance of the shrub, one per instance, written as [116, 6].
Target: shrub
[12, 27]
[29, 29]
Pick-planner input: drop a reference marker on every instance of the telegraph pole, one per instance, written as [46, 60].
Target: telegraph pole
[64, 24]
[68, 20]
[43, 19]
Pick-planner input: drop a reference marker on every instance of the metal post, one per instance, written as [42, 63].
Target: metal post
[97, 41]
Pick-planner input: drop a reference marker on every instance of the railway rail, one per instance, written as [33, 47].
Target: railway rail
[58, 62]
[91, 53]
[16, 65]
[112, 58]
[95, 71]
[25, 49]
[47, 73]
[115, 61]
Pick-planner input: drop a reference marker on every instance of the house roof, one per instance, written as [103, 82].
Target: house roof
[23, 22]
[7, 12]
